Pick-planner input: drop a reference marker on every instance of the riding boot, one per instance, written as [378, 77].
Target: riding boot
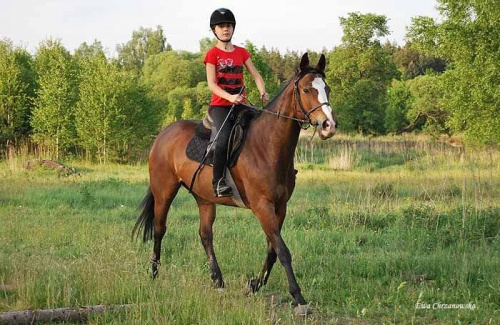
[221, 188]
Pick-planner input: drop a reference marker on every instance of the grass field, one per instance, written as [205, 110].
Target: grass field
[379, 233]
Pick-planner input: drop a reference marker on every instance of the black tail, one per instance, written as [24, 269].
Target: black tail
[146, 218]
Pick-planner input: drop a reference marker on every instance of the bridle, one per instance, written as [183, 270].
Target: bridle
[307, 114]
[306, 121]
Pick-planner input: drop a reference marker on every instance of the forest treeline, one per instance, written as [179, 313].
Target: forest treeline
[444, 80]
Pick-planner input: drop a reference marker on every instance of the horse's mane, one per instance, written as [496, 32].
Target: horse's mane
[273, 101]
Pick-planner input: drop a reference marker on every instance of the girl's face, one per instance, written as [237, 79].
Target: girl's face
[224, 31]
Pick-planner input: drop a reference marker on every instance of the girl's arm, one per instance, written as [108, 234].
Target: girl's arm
[258, 79]
[214, 88]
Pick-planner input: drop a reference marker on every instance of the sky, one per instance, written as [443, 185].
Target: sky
[285, 25]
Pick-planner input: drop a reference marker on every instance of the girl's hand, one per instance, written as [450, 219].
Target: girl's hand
[264, 96]
[235, 99]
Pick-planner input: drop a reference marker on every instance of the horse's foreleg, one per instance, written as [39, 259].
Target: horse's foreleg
[207, 218]
[256, 284]
[265, 212]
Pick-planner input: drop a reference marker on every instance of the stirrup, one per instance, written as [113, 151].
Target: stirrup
[222, 189]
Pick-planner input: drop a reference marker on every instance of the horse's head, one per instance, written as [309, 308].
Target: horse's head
[311, 94]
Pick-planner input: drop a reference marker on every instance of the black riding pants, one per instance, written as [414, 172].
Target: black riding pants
[218, 114]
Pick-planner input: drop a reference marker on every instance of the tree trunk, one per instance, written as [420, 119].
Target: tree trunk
[56, 315]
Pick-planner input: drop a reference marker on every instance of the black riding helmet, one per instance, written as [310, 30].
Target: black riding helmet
[221, 16]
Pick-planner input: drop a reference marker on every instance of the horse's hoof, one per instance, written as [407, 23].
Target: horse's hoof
[250, 288]
[220, 284]
[303, 310]
[254, 285]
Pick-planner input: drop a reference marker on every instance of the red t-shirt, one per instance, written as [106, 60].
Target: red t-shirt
[228, 71]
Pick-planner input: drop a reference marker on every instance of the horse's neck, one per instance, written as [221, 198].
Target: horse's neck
[279, 135]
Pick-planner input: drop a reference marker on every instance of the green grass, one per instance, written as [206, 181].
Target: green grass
[394, 226]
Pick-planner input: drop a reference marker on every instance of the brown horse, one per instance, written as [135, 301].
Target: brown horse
[264, 172]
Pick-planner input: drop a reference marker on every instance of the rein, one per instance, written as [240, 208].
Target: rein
[308, 121]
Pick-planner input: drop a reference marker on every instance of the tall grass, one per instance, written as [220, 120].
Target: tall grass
[373, 229]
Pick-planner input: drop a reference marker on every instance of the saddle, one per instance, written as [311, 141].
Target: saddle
[204, 136]
[205, 133]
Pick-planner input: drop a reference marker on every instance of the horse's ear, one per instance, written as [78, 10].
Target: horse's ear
[321, 63]
[304, 62]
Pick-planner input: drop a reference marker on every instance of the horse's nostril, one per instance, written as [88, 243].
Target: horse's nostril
[326, 125]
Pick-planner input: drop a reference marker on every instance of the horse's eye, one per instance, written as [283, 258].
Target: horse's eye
[306, 90]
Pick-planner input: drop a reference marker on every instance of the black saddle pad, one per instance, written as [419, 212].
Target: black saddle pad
[196, 150]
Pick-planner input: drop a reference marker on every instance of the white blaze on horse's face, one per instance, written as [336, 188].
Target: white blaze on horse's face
[328, 127]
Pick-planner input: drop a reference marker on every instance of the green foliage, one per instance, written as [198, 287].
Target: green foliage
[166, 71]
[206, 44]
[57, 78]
[271, 81]
[362, 30]
[113, 114]
[427, 104]
[282, 67]
[17, 88]
[178, 99]
[469, 37]
[359, 72]
[412, 62]
[399, 100]
[87, 52]
[98, 111]
[362, 109]
[423, 34]
[449, 69]
[145, 42]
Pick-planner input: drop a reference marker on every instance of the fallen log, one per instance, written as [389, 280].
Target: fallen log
[7, 288]
[56, 315]
[50, 164]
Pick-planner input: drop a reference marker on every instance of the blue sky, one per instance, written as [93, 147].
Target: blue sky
[281, 24]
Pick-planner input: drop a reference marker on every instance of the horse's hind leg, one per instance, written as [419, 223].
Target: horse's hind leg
[163, 200]
[207, 218]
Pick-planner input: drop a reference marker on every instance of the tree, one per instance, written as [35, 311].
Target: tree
[145, 42]
[427, 104]
[175, 100]
[363, 30]
[412, 62]
[17, 87]
[270, 80]
[57, 79]
[362, 109]
[206, 44]
[85, 51]
[166, 71]
[359, 72]
[423, 35]
[113, 114]
[98, 108]
[399, 100]
[469, 38]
